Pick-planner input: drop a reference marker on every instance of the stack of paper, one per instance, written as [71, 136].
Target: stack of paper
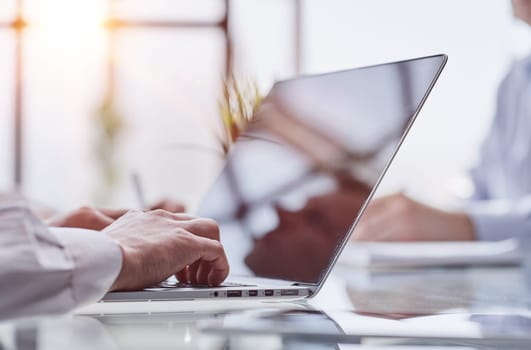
[420, 254]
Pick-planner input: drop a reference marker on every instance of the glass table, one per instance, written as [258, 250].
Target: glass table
[493, 300]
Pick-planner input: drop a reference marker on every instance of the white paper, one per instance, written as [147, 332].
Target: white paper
[431, 254]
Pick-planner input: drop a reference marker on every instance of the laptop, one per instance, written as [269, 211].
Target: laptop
[298, 179]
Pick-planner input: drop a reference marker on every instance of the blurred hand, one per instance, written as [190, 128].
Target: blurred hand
[400, 218]
[99, 218]
[158, 244]
[86, 217]
[169, 205]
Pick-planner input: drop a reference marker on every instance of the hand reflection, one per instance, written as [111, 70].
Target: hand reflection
[305, 240]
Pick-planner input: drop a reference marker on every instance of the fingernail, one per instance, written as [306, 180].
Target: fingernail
[215, 278]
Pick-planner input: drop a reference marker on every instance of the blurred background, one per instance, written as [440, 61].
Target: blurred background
[92, 91]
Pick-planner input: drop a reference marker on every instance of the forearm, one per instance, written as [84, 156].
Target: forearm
[40, 210]
[46, 271]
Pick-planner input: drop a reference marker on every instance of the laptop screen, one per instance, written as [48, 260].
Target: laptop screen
[296, 181]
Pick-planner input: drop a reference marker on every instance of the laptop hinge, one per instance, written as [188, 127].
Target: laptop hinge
[302, 284]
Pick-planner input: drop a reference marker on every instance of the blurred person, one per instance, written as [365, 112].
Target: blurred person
[500, 207]
[45, 270]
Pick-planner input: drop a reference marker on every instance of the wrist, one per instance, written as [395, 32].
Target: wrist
[118, 282]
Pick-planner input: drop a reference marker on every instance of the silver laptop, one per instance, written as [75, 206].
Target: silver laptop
[299, 178]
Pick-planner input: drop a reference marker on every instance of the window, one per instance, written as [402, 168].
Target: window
[161, 62]
[7, 11]
[172, 10]
[164, 67]
[6, 109]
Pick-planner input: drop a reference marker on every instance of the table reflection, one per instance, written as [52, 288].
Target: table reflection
[485, 302]
[415, 292]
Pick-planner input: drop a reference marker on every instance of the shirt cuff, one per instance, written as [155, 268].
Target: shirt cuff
[97, 262]
[495, 221]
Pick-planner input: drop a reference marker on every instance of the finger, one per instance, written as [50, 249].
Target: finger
[202, 272]
[362, 233]
[206, 228]
[378, 205]
[182, 275]
[386, 226]
[192, 272]
[172, 216]
[212, 252]
[168, 205]
[88, 218]
[99, 221]
[394, 219]
[114, 213]
[371, 226]
[381, 215]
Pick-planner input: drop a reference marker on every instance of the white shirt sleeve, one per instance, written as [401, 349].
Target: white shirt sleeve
[501, 205]
[495, 220]
[44, 271]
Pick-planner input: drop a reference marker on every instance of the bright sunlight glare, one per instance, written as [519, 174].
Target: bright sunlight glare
[68, 21]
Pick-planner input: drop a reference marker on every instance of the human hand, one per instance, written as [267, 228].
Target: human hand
[158, 244]
[400, 218]
[99, 218]
[87, 218]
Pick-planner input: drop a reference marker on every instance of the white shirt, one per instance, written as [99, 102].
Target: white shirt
[50, 270]
[501, 206]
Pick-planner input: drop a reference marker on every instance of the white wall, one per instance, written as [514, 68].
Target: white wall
[480, 38]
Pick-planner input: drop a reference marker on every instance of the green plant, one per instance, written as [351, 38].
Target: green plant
[108, 127]
[239, 102]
